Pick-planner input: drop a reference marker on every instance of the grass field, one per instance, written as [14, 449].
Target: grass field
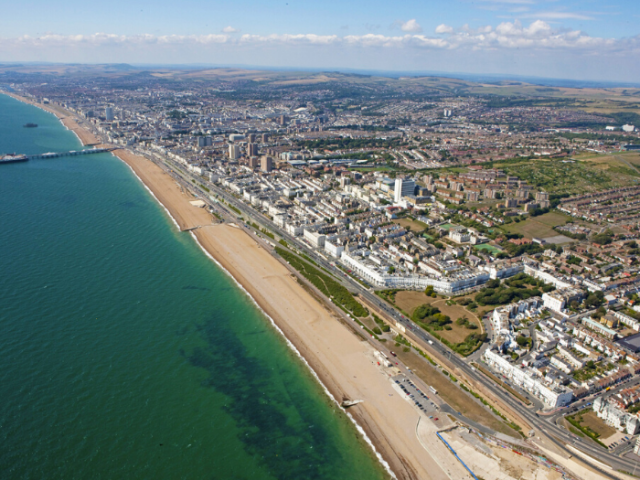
[408, 301]
[577, 177]
[540, 226]
[595, 424]
[488, 248]
[625, 163]
[413, 225]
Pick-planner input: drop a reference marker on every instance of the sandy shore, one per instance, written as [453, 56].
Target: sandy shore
[66, 117]
[342, 361]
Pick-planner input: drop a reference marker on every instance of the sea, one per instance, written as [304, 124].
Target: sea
[125, 353]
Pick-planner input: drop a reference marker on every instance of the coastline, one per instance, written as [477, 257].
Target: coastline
[66, 118]
[333, 353]
[343, 363]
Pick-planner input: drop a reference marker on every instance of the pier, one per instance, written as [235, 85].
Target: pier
[71, 153]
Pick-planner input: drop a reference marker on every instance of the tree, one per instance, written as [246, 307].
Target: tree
[429, 290]
[594, 299]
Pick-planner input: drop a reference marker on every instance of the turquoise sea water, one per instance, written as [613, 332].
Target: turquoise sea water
[125, 353]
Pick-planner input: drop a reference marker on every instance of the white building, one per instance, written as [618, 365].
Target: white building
[459, 235]
[552, 395]
[559, 299]
[402, 188]
[379, 276]
[333, 248]
[615, 416]
[316, 239]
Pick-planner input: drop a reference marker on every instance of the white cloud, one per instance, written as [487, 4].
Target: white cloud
[411, 26]
[442, 28]
[557, 16]
[229, 29]
[507, 35]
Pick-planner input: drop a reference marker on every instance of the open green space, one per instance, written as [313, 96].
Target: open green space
[570, 176]
[540, 226]
[410, 224]
[485, 247]
[592, 426]
[323, 282]
[452, 324]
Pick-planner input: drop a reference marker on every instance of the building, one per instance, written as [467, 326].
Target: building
[108, 114]
[459, 235]
[234, 152]
[611, 412]
[599, 328]
[205, 141]
[316, 239]
[403, 187]
[542, 197]
[559, 299]
[236, 137]
[254, 162]
[252, 149]
[266, 163]
[265, 138]
[530, 380]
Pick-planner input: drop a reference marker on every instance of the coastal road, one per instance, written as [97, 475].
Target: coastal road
[545, 429]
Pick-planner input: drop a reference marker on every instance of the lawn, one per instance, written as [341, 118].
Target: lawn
[493, 250]
[579, 177]
[595, 424]
[408, 301]
[410, 224]
[540, 226]
[447, 226]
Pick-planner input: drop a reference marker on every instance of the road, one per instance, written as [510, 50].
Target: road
[546, 430]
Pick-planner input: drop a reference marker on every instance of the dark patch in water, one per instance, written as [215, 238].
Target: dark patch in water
[263, 411]
[182, 331]
[193, 287]
[68, 199]
[127, 204]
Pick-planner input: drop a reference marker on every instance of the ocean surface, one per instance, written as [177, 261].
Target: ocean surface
[125, 353]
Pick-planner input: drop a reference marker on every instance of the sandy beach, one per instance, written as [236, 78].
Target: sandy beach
[343, 362]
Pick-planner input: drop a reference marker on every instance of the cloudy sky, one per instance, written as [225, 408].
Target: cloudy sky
[588, 39]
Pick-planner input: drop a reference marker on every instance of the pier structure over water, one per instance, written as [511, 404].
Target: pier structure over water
[70, 153]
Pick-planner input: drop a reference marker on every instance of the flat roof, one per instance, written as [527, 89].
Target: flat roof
[631, 342]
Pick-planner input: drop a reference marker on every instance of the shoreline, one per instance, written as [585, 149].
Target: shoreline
[67, 119]
[330, 387]
[332, 353]
[293, 347]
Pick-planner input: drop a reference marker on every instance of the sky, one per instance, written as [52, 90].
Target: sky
[584, 40]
